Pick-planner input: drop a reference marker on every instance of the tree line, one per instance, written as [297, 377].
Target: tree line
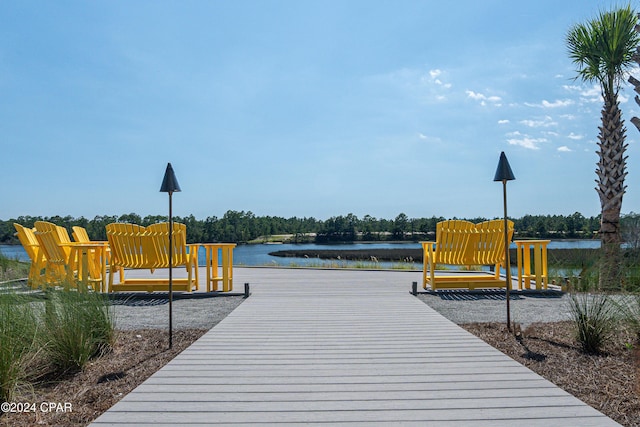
[243, 227]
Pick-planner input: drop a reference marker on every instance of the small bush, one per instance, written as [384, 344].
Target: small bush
[78, 326]
[18, 342]
[594, 316]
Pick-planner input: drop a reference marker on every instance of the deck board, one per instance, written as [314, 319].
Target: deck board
[343, 347]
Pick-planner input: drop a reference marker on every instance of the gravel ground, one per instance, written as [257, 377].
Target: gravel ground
[204, 312]
[490, 306]
[189, 311]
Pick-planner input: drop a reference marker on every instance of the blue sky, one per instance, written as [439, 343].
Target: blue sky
[299, 108]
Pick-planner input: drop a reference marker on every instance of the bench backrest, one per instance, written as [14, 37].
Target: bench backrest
[461, 242]
[135, 246]
[159, 233]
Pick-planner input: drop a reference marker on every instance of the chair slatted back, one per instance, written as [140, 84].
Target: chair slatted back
[49, 241]
[127, 245]
[80, 234]
[135, 246]
[461, 242]
[452, 241]
[159, 234]
[61, 234]
[490, 245]
[28, 240]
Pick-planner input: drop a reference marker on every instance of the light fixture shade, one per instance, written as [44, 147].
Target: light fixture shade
[169, 182]
[504, 172]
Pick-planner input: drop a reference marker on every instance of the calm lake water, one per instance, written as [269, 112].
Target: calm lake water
[252, 255]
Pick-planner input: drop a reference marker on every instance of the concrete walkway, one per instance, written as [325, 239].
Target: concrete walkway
[344, 347]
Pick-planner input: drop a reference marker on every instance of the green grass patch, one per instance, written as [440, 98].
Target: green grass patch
[11, 269]
[19, 342]
[78, 327]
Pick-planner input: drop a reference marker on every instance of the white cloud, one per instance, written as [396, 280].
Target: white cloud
[575, 137]
[565, 149]
[547, 121]
[555, 104]
[592, 94]
[572, 88]
[427, 138]
[435, 73]
[568, 116]
[503, 121]
[527, 142]
[495, 100]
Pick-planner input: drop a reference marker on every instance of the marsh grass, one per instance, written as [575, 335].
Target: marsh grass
[11, 269]
[356, 265]
[19, 342]
[78, 326]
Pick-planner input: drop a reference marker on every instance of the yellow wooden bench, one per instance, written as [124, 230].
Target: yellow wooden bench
[462, 243]
[136, 247]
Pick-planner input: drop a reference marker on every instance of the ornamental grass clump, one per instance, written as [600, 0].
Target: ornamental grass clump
[78, 326]
[629, 308]
[594, 316]
[18, 342]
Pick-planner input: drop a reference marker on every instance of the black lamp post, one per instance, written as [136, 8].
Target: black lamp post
[170, 185]
[504, 174]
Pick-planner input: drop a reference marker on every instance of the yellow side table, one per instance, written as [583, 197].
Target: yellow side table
[91, 259]
[523, 251]
[211, 256]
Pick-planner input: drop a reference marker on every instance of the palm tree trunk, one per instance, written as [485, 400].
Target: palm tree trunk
[611, 172]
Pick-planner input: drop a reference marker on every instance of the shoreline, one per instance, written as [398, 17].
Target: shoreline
[555, 256]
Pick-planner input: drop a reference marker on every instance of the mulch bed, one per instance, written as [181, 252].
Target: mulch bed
[609, 382]
[136, 356]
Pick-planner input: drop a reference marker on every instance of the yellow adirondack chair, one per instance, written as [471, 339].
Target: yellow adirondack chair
[61, 233]
[59, 269]
[32, 248]
[136, 247]
[80, 234]
[462, 243]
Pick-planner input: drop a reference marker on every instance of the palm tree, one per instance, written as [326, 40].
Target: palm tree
[603, 50]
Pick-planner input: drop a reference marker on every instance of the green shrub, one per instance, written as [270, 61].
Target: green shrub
[18, 342]
[594, 316]
[78, 326]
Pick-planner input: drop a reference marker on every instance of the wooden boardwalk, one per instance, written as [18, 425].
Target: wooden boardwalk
[343, 347]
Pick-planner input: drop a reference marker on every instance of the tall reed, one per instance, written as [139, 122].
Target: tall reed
[78, 326]
[18, 342]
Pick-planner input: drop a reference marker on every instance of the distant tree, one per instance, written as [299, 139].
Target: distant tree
[603, 50]
[131, 218]
[400, 226]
